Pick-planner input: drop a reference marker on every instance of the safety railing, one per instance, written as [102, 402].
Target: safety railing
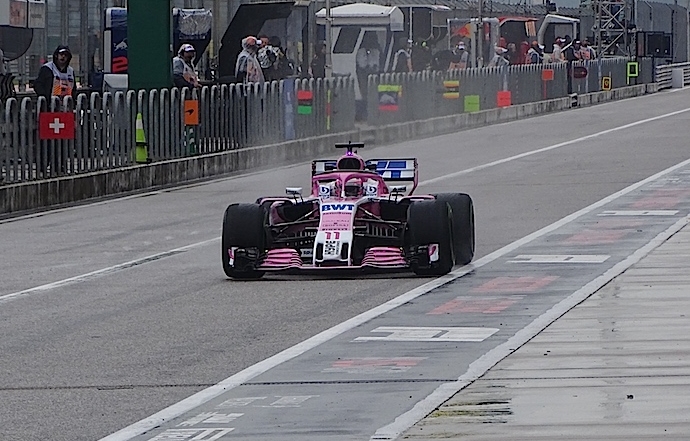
[610, 73]
[664, 74]
[228, 117]
[238, 115]
[401, 97]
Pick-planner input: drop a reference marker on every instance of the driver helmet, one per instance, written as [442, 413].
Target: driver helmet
[353, 188]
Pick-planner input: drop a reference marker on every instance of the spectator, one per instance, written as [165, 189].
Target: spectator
[557, 54]
[586, 51]
[535, 54]
[266, 56]
[461, 57]
[56, 78]
[247, 67]
[572, 52]
[184, 74]
[318, 63]
[442, 59]
[513, 55]
[420, 56]
[499, 59]
[453, 58]
[283, 66]
[524, 48]
[369, 55]
[402, 61]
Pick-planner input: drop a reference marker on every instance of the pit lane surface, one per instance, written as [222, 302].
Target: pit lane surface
[89, 356]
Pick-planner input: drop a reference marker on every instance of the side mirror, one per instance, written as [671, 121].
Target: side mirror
[293, 191]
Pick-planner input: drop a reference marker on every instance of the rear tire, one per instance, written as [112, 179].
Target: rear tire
[463, 225]
[243, 227]
[430, 221]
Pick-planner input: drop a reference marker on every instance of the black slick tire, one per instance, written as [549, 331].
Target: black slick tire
[463, 225]
[429, 221]
[243, 227]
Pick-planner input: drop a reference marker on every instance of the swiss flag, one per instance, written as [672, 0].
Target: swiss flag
[56, 125]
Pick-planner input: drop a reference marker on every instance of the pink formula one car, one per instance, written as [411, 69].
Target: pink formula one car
[360, 214]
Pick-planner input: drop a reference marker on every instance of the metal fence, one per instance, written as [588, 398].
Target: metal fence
[230, 117]
[664, 74]
[401, 97]
[236, 115]
[616, 70]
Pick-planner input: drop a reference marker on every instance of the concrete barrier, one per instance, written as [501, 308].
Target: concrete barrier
[26, 197]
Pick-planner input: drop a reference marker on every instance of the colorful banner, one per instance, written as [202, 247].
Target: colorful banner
[305, 102]
[504, 98]
[451, 90]
[389, 95]
[472, 103]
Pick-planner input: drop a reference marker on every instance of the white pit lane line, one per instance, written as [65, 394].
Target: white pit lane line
[126, 265]
[552, 147]
[103, 272]
[476, 369]
[480, 366]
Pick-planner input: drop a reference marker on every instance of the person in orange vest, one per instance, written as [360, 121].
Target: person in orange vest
[56, 78]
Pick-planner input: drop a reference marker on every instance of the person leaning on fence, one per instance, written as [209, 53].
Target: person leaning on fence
[586, 51]
[402, 62]
[557, 54]
[499, 59]
[266, 56]
[56, 78]
[247, 67]
[184, 74]
[421, 56]
[443, 59]
[535, 54]
[283, 67]
[317, 67]
[572, 52]
[461, 56]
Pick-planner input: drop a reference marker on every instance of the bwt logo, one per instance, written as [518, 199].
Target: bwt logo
[337, 207]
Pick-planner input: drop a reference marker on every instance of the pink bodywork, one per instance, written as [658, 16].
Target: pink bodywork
[375, 257]
[335, 220]
[282, 258]
[341, 178]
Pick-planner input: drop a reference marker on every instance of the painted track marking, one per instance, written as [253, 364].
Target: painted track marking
[123, 266]
[445, 391]
[638, 213]
[431, 334]
[103, 272]
[551, 147]
[558, 258]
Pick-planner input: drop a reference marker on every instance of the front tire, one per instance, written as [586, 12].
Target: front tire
[243, 227]
[430, 222]
[463, 225]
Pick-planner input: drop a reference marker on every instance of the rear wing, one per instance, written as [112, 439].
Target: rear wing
[396, 172]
